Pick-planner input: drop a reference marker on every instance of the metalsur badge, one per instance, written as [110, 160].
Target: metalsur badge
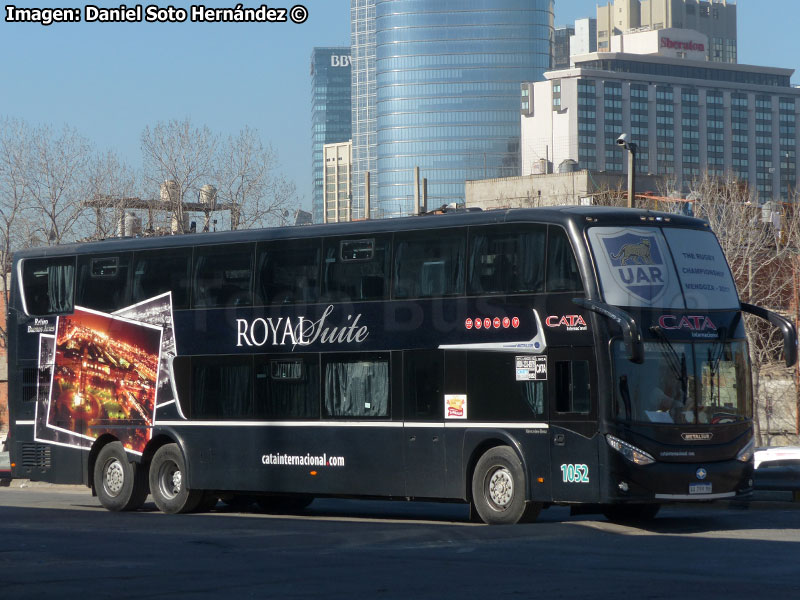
[637, 264]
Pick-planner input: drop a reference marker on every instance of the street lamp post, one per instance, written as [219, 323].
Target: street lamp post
[622, 140]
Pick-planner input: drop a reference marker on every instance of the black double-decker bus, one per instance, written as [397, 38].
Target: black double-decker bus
[508, 359]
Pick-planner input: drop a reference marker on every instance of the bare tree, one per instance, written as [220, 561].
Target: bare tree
[761, 248]
[111, 187]
[14, 201]
[56, 180]
[250, 185]
[180, 156]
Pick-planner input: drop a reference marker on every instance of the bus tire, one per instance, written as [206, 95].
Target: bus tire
[168, 482]
[120, 484]
[631, 513]
[498, 488]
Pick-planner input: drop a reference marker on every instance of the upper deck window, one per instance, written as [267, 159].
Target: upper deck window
[507, 260]
[103, 281]
[287, 273]
[48, 285]
[429, 264]
[222, 276]
[356, 269]
[562, 268]
[158, 271]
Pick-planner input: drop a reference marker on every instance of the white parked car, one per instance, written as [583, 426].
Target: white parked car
[779, 456]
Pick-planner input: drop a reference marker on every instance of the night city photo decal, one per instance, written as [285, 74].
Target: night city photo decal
[104, 377]
[157, 311]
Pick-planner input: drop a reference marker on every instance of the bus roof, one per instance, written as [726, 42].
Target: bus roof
[568, 217]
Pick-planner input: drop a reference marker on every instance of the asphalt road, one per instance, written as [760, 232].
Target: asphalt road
[56, 542]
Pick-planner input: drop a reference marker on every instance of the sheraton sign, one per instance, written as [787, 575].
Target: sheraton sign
[676, 45]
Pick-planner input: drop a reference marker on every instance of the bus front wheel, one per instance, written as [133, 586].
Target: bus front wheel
[120, 484]
[168, 482]
[498, 489]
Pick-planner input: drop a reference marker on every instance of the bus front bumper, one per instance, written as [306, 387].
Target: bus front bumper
[680, 482]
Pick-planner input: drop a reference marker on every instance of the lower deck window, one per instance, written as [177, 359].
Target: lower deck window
[287, 388]
[496, 395]
[221, 388]
[357, 385]
[572, 387]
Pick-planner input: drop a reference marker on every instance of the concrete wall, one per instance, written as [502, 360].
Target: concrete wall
[555, 189]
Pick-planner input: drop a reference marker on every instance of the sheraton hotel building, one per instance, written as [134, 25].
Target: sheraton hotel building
[435, 86]
[687, 116]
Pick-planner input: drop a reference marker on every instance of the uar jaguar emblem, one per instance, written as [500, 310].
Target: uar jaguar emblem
[637, 264]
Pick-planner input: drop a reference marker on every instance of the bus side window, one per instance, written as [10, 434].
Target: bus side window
[423, 381]
[48, 285]
[356, 385]
[507, 261]
[287, 273]
[221, 387]
[287, 388]
[222, 276]
[573, 393]
[429, 265]
[562, 268]
[494, 392]
[356, 269]
[103, 282]
[158, 271]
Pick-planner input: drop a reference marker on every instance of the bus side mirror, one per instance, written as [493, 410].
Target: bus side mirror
[785, 325]
[630, 330]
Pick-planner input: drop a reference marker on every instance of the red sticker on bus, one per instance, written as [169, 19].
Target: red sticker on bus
[478, 323]
[487, 322]
[515, 322]
[506, 322]
[468, 324]
[496, 323]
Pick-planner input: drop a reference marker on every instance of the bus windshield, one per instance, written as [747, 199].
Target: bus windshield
[706, 383]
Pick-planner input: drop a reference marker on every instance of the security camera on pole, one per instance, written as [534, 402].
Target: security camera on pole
[622, 140]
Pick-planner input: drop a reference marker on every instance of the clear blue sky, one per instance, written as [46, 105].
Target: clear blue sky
[109, 81]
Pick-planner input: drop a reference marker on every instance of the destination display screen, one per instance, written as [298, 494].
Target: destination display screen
[662, 268]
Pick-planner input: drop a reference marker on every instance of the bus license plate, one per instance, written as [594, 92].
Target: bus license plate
[699, 488]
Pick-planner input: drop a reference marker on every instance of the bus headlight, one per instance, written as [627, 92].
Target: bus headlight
[746, 453]
[632, 453]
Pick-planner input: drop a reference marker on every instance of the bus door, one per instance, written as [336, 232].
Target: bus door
[572, 394]
[423, 389]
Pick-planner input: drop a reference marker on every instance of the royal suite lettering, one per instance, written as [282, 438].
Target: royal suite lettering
[299, 331]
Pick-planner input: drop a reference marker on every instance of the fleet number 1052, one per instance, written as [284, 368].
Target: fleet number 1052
[575, 473]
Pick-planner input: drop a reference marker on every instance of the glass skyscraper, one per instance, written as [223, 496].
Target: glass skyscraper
[448, 76]
[330, 112]
[365, 148]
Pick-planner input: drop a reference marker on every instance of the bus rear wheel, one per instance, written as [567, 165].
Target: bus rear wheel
[120, 484]
[168, 482]
[498, 489]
